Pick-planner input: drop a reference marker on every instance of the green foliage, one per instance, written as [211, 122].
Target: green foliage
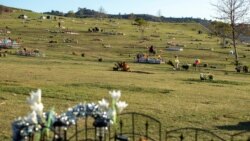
[70, 14]
[221, 28]
[141, 22]
[142, 25]
[112, 87]
[219, 81]
[16, 89]
[56, 13]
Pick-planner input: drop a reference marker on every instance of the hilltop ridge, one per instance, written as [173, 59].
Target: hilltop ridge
[6, 9]
[87, 13]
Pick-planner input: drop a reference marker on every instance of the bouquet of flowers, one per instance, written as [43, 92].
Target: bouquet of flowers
[41, 122]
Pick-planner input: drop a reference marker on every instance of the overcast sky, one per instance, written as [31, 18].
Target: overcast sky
[168, 8]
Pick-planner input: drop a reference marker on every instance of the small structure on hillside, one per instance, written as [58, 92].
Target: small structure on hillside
[32, 53]
[113, 33]
[174, 49]
[95, 29]
[5, 31]
[8, 43]
[244, 69]
[144, 58]
[172, 46]
[22, 16]
[3, 54]
[72, 33]
[42, 17]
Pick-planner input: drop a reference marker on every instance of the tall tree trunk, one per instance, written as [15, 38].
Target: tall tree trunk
[223, 41]
[235, 47]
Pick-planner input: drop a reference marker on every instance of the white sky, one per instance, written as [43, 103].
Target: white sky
[168, 8]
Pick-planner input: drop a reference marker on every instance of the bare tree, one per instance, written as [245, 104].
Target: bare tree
[102, 12]
[1, 9]
[131, 16]
[159, 15]
[70, 14]
[233, 12]
[142, 24]
[221, 29]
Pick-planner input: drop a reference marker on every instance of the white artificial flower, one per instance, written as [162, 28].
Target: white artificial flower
[104, 104]
[121, 105]
[115, 94]
[35, 97]
[38, 108]
[111, 115]
[35, 101]
[70, 109]
[32, 117]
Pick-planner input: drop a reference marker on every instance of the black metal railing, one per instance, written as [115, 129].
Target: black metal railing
[82, 130]
[136, 125]
[129, 127]
[192, 134]
[241, 136]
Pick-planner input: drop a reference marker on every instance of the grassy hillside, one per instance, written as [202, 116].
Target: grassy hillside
[177, 98]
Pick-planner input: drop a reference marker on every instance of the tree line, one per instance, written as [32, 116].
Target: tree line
[88, 13]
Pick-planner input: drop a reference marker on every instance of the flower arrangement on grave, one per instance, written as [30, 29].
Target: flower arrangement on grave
[38, 123]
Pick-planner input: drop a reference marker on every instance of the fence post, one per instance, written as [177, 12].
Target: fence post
[86, 127]
[160, 132]
[181, 137]
[146, 126]
[121, 125]
[76, 128]
[232, 138]
[196, 135]
[31, 137]
[133, 126]
[166, 136]
[65, 134]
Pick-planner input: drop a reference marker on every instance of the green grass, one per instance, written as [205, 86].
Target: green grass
[219, 82]
[176, 98]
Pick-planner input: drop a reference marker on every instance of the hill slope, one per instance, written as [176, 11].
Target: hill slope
[176, 98]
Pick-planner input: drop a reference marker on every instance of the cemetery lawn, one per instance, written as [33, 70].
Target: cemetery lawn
[177, 98]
